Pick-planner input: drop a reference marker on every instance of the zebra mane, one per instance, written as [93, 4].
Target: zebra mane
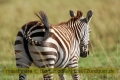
[79, 14]
[75, 17]
[43, 17]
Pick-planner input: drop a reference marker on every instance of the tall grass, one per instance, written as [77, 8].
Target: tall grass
[104, 38]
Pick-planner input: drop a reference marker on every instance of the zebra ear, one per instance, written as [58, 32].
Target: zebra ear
[89, 15]
[79, 14]
[72, 14]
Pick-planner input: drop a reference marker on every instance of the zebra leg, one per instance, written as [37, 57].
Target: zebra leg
[75, 76]
[21, 76]
[23, 59]
[50, 65]
[73, 64]
[21, 62]
[48, 62]
[61, 77]
[44, 56]
[48, 76]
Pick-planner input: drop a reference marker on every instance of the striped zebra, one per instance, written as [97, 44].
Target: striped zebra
[53, 46]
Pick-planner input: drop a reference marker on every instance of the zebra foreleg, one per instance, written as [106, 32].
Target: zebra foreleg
[76, 77]
[61, 77]
[73, 65]
[48, 66]
[48, 76]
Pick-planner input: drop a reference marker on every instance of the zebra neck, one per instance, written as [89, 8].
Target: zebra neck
[74, 27]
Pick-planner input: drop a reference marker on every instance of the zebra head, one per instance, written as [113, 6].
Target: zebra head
[85, 38]
[83, 31]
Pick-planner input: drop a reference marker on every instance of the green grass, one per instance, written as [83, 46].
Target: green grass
[104, 38]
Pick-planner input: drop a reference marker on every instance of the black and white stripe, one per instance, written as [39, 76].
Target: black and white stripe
[53, 46]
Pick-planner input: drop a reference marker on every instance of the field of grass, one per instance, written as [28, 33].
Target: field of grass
[104, 38]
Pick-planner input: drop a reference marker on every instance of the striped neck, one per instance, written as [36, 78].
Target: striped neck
[77, 28]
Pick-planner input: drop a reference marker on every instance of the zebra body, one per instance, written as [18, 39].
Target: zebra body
[59, 48]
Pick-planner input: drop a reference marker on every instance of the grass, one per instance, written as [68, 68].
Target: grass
[104, 39]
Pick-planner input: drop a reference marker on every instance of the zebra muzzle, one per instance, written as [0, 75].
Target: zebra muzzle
[84, 54]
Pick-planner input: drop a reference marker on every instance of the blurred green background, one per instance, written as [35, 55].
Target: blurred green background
[104, 38]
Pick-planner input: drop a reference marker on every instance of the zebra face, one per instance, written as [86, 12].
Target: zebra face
[84, 51]
[85, 31]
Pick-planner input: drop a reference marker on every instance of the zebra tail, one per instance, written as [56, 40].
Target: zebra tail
[44, 19]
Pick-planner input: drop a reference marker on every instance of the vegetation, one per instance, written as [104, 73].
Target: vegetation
[104, 38]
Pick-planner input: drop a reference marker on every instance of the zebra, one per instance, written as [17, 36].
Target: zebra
[53, 46]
